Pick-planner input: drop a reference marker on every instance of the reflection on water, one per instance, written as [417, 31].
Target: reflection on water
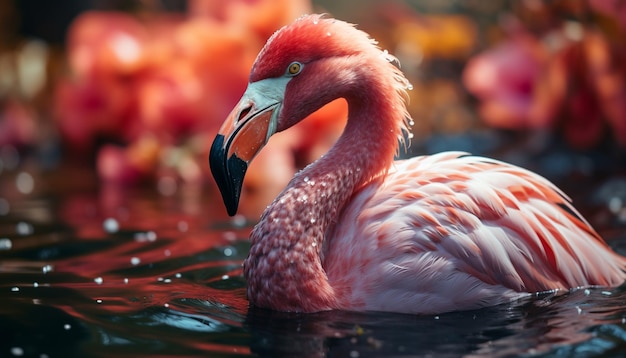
[130, 273]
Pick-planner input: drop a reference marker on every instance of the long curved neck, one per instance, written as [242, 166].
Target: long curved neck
[284, 270]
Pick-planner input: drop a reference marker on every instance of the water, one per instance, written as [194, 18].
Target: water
[106, 272]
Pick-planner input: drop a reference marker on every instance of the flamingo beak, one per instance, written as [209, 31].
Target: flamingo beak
[246, 130]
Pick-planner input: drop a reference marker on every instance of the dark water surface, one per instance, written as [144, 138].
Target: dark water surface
[115, 273]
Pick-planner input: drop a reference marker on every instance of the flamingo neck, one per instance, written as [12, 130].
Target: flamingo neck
[284, 268]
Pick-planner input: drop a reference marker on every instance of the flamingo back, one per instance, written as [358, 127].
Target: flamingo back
[453, 231]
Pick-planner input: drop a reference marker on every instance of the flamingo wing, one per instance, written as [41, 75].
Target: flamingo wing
[455, 231]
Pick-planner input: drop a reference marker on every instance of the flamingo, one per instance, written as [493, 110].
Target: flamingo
[358, 231]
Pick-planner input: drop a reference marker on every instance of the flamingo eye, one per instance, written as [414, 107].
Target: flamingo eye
[294, 68]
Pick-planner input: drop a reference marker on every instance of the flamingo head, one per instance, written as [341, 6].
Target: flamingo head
[302, 67]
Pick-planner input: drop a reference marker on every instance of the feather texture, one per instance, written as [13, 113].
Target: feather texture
[455, 227]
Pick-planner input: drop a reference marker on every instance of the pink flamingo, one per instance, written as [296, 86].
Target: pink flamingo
[359, 231]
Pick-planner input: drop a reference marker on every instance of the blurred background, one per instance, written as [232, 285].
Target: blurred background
[114, 239]
[131, 93]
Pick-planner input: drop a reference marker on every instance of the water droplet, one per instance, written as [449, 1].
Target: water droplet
[67, 326]
[615, 204]
[587, 292]
[35, 284]
[126, 280]
[606, 293]
[24, 228]
[145, 236]
[314, 244]
[110, 226]
[316, 21]
[228, 251]
[15, 289]
[47, 268]
[24, 183]
[17, 351]
[167, 253]
[306, 179]
[98, 280]
[238, 221]
[160, 279]
[178, 275]
[411, 135]
[409, 87]
[5, 244]
[135, 261]
[411, 122]
[225, 277]
[166, 305]
[167, 280]
[579, 310]
[98, 301]
[312, 220]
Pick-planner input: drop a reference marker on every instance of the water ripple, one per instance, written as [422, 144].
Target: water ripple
[154, 286]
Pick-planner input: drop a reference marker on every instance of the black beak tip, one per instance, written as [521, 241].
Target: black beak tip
[231, 206]
[228, 174]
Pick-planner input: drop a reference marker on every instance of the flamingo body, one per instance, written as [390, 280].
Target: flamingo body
[357, 231]
[452, 231]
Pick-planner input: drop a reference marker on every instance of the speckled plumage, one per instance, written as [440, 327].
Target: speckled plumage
[357, 231]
